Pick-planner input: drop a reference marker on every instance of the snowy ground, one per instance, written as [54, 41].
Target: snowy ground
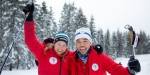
[145, 63]
[144, 60]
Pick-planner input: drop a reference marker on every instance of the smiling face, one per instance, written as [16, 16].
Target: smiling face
[60, 47]
[82, 45]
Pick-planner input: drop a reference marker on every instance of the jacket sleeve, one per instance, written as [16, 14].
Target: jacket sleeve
[34, 45]
[112, 67]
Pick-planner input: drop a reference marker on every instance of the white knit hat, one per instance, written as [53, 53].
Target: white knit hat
[83, 33]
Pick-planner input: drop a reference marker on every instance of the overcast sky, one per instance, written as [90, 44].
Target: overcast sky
[110, 14]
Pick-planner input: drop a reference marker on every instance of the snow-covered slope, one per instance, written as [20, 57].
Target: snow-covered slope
[144, 60]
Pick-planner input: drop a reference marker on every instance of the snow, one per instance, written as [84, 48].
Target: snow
[6, 33]
[32, 71]
[1, 53]
[144, 60]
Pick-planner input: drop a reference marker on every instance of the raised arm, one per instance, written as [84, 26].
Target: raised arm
[33, 43]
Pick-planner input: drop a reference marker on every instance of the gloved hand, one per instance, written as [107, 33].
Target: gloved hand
[98, 48]
[28, 10]
[134, 65]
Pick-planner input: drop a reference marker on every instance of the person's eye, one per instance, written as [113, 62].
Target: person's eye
[78, 42]
[64, 45]
[85, 40]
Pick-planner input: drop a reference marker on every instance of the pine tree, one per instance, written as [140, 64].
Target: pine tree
[100, 37]
[46, 25]
[67, 23]
[114, 45]
[42, 21]
[80, 19]
[92, 29]
[147, 50]
[53, 28]
[107, 42]
[3, 29]
[119, 44]
[2, 25]
[124, 44]
[142, 49]
[12, 20]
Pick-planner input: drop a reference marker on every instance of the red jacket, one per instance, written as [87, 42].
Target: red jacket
[49, 63]
[98, 64]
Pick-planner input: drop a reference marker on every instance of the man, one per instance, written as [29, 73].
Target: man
[56, 60]
[89, 61]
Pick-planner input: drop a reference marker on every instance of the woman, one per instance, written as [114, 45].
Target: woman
[56, 60]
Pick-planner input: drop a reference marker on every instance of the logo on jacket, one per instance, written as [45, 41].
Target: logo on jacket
[95, 67]
[53, 60]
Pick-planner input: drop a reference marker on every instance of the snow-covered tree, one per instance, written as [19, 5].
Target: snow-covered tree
[12, 19]
[80, 19]
[42, 21]
[53, 28]
[67, 22]
[107, 42]
[92, 29]
[114, 48]
[142, 49]
[100, 37]
[119, 44]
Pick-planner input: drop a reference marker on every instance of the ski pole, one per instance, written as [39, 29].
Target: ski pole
[17, 35]
[11, 47]
[6, 57]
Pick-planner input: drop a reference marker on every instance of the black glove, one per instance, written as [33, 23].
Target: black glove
[29, 9]
[134, 65]
[98, 48]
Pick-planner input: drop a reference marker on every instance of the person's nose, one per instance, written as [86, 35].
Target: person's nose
[61, 47]
[81, 44]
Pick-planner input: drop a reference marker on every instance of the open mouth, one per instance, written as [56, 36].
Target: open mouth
[82, 48]
[59, 50]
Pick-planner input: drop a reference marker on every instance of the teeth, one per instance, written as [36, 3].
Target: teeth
[82, 48]
[59, 50]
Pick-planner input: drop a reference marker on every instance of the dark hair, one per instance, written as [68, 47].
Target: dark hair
[48, 40]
